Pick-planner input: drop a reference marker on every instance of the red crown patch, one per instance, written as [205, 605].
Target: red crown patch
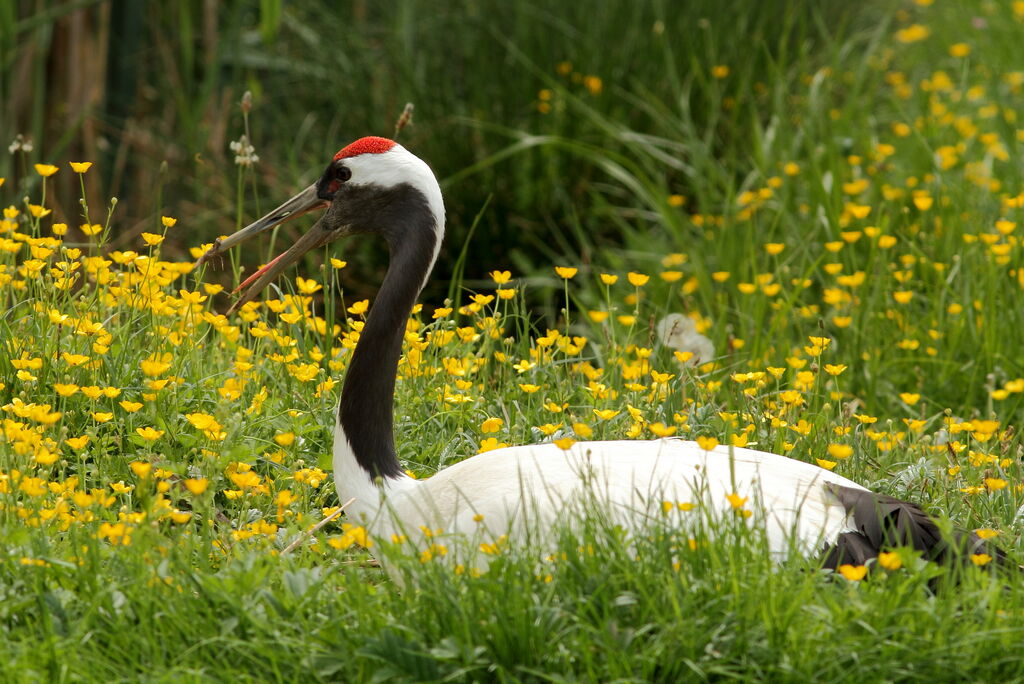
[369, 145]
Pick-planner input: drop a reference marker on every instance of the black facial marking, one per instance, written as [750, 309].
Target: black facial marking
[332, 179]
[366, 410]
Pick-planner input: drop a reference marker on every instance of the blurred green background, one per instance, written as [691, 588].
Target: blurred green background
[567, 127]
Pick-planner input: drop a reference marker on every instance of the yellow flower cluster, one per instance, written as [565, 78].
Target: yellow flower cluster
[135, 409]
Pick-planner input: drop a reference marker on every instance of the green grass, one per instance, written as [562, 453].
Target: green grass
[155, 548]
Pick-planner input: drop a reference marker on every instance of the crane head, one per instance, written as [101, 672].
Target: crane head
[372, 185]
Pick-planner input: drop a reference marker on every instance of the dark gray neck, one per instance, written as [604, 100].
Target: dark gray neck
[366, 409]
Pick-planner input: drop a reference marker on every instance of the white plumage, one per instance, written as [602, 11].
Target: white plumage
[510, 490]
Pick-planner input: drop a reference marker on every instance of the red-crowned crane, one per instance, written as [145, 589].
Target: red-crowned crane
[376, 186]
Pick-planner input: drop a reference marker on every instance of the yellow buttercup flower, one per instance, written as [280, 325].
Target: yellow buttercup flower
[307, 286]
[149, 434]
[662, 430]
[890, 560]
[80, 167]
[637, 279]
[913, 33]
[155, 364]
[583, 430]
[858, 211]
[202, 421]
[74, 359]
[854, 573]
[180, 517]
[65, 390]
[566, 272]
[959, 50]
[196, 485]
[1005, 227]
[46, 170]
[490, 444]
[737, 501]
[923, 202]
[491, 425]
[707, 443]
[141, 468]
[840, 451]
[191, 298]
[77, 443]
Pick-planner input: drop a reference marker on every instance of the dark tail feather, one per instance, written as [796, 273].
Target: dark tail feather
[851, 547]
[885, 522]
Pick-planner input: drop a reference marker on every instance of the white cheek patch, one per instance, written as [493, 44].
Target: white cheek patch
[395, 167]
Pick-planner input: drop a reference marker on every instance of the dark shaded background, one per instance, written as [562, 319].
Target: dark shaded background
[150, 91]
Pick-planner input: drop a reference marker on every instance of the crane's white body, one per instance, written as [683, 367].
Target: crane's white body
[529, 492]
[526, 490]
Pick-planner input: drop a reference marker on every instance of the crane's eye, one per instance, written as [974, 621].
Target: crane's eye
[336, 174]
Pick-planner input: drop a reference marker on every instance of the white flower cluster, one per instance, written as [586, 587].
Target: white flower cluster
[245, 153]
[20, 143]
[680, 333]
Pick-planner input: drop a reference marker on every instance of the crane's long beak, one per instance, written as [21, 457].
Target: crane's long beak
[307, 200]
[319, 234]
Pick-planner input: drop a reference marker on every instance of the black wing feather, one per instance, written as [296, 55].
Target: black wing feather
[886, 522]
